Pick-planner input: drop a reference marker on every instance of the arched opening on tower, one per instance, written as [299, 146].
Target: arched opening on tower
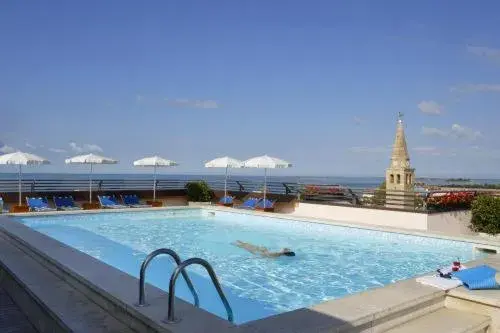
[392, 179]
[399, 179]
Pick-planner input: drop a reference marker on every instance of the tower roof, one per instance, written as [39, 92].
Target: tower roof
[399, 150]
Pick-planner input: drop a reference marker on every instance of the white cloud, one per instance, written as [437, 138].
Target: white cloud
[6, 149]
[30, 146]
[139, 98]
[430, 107]
[192, 103]
[483, 51]
[358, 120]
[456, 132]
[371, 150]
[57, 150]
[472, 88]
[86, 148]
[465, 132]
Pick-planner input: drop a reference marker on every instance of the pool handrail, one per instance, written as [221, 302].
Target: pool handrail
[142, 275]
[171, 289]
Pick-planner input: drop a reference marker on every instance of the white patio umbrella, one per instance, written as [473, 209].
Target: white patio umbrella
[266, 162]
[224, 162]
[155, 162]
[20, 158]
[90, 159]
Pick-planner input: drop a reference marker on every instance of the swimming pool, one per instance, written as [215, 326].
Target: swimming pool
[330, 261]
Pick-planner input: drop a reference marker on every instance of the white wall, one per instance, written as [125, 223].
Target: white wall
[450, 223]
[388, 218]
[453, 223]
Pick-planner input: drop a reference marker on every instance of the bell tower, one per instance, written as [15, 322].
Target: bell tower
[400, 177]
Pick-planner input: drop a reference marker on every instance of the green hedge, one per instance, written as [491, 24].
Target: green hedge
[486, 215]
[198, 191]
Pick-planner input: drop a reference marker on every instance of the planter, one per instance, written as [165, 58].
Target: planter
[155, 203]
[89, 206]
[19, 209]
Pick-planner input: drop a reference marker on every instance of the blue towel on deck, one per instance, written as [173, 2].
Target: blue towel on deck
[480, 277]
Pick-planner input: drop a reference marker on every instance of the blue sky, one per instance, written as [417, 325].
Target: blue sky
[318, 83]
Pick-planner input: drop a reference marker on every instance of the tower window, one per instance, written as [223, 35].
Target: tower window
[392, 179]
[399, 179]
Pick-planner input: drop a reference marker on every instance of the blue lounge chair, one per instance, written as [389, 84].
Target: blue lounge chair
[226, 201]
[108, 201]
[267, 205]
[250, 203]
[132, 200]
[65, 203]
[38, 204]
[480, 277]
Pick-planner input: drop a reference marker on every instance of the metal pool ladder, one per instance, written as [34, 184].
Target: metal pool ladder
[180, 269]
[142, 275]
[171, 288]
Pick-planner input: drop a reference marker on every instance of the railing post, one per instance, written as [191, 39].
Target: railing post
[242, 188]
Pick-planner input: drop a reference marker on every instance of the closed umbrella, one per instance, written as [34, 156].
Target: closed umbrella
[266, 162]
[224, 162]
[90, 159]
[155, 162]
[20, 159]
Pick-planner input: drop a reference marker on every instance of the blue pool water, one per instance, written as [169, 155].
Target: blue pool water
[330, 261]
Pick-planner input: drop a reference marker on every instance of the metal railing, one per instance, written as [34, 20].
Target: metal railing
[104, 184]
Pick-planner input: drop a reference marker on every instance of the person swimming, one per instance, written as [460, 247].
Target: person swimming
[262, 251]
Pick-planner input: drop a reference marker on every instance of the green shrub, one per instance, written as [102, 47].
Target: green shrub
[198, 191]
[379, 195]
[486, 215]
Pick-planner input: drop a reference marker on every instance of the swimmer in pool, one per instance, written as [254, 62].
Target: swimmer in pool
[262, 251]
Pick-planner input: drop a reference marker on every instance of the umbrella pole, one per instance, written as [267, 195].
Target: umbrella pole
[265, 186]
[90, 184]
[154, 184]
[19, 183]
[225, 185]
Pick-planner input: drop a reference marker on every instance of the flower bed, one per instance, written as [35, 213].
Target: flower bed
[322, 190]
[451, 200]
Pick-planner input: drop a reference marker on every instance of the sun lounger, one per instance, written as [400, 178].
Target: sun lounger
[38, 204]
[65, 203]
[108, 201]
[267, 205]
[226, 201]
[132, 200]
[480, 277]
[1, 205]
[249, 203]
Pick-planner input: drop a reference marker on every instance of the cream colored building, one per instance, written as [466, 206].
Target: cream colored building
[400, 176]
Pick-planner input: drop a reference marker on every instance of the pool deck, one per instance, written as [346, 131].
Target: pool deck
[12, 319]
[375, 310]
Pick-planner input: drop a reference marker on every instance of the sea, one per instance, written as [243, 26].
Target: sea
[351, 182]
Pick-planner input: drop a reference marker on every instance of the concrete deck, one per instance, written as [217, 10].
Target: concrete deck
[12, 319]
